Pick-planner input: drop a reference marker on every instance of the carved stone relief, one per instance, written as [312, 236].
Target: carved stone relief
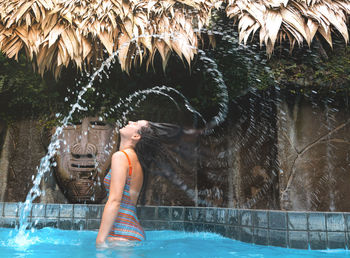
[83, 159]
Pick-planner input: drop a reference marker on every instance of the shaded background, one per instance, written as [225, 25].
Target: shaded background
[284, 144]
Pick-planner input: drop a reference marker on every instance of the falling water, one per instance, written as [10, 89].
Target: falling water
[141, 95]
[45, 163]
[223, 94]
[129, 103]
[330, 168]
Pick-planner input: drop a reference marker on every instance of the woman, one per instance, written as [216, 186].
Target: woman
[140, 143]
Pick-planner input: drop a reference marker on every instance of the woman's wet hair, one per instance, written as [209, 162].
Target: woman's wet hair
[161, 149]
[154, 141]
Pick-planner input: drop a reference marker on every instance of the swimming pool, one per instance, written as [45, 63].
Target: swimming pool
[50, 242]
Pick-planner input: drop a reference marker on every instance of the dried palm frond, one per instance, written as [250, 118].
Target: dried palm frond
[54, 32]
[295, 20]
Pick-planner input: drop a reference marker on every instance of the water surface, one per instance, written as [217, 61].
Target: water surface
[49, 242]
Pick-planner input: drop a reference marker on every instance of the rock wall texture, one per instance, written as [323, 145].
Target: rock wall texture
[4, 158]
[274, 151]
[314, 154]
[22, 150]
[176, 183]
[237, 163]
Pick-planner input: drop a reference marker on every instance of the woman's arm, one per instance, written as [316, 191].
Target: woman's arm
[118, 177]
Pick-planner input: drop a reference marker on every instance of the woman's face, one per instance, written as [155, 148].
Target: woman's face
[133, 128]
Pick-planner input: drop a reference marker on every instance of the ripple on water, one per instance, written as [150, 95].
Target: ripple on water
[49, 242]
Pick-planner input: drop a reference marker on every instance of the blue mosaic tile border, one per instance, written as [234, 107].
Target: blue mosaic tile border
[300, 230]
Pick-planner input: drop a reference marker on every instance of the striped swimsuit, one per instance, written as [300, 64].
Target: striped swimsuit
[126, 225]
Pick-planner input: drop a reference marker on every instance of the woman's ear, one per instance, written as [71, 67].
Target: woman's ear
[136, 136]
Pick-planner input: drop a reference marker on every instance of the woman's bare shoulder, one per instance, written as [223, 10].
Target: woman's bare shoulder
[119, 157]
[131, 153]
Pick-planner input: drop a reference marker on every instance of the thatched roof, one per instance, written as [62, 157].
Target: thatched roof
[295, 20]
[55, 33]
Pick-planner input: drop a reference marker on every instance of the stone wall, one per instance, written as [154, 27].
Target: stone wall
[4, 158]
[237, 163]
[274, 151]
[22, 151]
[314, 153]
[236, 166]
[176, 185]
[2, 132]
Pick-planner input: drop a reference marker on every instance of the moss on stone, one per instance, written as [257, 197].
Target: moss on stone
[309, 71]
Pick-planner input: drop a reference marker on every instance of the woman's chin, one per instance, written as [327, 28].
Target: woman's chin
[121, 131]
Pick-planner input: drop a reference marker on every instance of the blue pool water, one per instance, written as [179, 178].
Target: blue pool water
[49, 242]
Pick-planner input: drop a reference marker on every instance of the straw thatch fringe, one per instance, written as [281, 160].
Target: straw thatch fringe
[295, 20]
[55, 33]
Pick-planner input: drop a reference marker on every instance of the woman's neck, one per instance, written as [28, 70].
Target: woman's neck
[126, 145]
